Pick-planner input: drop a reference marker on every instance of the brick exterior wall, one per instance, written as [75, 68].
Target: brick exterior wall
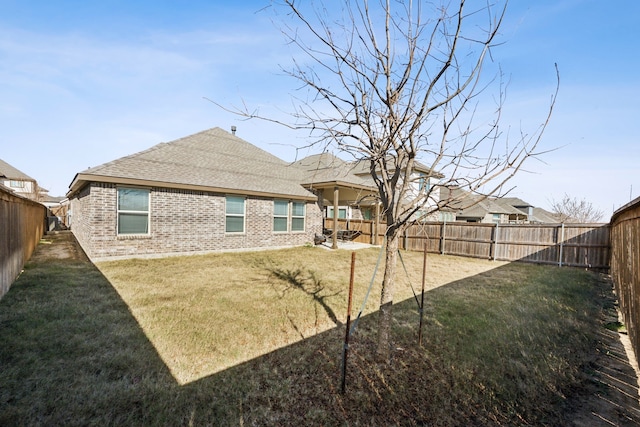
[181, 222]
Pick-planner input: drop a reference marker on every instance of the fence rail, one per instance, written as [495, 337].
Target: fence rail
[22, 224]
[576, 245]
[625, 266]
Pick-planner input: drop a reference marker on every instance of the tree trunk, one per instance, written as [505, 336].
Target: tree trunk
[386, 298]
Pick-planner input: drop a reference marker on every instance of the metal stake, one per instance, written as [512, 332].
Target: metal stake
[345, 350]
[424, 275]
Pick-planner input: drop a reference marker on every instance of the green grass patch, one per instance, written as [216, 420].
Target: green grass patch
[256, 338]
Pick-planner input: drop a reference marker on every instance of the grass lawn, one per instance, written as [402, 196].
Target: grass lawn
[256, 338]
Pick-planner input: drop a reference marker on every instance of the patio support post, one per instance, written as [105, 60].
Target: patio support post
[334, 233]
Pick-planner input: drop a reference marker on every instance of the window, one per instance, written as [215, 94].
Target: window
[234, 214]
[133, 211]
[423, 183]
[342, 212]
[497, 218]
[16, 184]
[367, 213]
[297, 216]
[280, 215]
[288, 216]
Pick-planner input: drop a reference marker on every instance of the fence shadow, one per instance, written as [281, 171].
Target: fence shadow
[73, 354]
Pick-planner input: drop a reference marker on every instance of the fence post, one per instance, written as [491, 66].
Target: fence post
[406, 240]
[495, 240]
[442, 236]
[561, 244]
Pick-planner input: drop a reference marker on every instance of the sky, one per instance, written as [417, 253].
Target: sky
[83, 83]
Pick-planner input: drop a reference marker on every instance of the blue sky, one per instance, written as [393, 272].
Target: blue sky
[83, 83]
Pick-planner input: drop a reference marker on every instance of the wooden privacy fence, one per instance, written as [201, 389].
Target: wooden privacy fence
[625, 266]
[22, 224]
[575, 245]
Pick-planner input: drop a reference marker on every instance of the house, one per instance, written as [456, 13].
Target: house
[497, 210]
[349, 188]
[18, 181]
[211, 191]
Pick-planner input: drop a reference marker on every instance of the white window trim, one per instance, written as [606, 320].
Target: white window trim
[244, 215]
[303, 216]
[287, 216]
[346, 209]
[118, 211]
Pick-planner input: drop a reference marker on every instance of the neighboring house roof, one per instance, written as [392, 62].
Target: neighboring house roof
[507, 203]
[212, 160]
[488, 206]
[9, 172]
[476, 206]
[543, 216]
[515, 202]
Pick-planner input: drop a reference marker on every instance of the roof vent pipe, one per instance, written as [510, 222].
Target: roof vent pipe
[233, 130]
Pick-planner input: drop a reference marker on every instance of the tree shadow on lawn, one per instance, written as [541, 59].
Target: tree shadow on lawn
[72, 354]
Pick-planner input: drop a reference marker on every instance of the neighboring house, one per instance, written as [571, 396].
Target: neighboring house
[496, 210]
[210, 191]
[542, 216]
[18, 181]
[491, 211]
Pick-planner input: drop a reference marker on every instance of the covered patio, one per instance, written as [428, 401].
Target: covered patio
[337, 194]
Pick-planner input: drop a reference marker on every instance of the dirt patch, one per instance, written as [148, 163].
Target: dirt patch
[59, 245]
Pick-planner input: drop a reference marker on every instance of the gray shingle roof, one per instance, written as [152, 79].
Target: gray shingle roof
[475, 206]
[212, 159]
[9, 172]
[544, 216]
[325, 167]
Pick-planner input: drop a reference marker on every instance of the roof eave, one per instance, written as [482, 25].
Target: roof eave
[81, 180]
[337, 183]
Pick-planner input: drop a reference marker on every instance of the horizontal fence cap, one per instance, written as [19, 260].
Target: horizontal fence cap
[634, 204]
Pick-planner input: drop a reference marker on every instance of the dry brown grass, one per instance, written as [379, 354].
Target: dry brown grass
[206, 313]
[218, 340]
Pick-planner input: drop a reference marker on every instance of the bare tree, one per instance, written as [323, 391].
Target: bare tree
[572, 210]
[393, 83]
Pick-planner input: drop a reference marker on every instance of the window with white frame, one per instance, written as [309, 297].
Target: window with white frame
[297, 216]
[288, 216]
[16, 184]
[234, 209]
[133, 211]
[342, 212]
[280, 215]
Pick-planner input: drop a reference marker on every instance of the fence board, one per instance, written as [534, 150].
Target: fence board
[22, 224]
[625, 266]
[577, 245]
